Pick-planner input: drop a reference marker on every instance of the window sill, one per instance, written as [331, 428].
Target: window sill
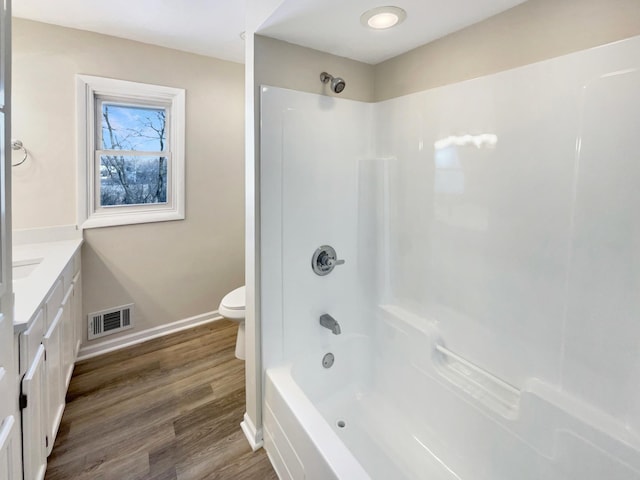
[131, 218]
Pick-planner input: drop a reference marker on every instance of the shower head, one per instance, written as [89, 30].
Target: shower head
[337, 84]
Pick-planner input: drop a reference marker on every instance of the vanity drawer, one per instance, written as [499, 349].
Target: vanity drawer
[77, 263]
[67, 275]
[30, 340]
[53, 302]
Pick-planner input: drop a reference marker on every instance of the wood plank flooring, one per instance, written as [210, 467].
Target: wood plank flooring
[168, 409]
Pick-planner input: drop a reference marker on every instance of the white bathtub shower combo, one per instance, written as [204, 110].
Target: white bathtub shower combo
[489, 303]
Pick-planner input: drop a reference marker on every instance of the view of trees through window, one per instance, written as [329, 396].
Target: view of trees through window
[133, 157]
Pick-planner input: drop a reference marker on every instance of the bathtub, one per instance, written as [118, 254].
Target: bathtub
[333, 423]
[397, 405]
[301, 418]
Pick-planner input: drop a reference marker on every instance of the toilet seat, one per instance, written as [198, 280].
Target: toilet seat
[232, 305]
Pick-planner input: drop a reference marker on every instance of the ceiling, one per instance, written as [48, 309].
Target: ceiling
[334, 25]
[206, 27]
[212, 27]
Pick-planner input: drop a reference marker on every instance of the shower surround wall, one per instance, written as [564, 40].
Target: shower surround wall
[309, 198]
[514, 225]
[489, 299]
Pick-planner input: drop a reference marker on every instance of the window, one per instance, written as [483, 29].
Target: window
[131, 152]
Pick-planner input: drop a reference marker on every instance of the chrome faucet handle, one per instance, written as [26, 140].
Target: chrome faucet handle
[333, 262]
[324, 260]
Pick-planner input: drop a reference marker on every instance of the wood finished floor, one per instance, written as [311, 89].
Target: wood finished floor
[168, 409]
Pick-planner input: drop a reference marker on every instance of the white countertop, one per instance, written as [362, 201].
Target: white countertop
[31, 291]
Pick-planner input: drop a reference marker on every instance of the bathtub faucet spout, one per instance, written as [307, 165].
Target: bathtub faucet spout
[327, 321]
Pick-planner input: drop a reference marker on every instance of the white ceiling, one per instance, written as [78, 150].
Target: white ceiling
[206, 27]
[212, 27]
[334, 25]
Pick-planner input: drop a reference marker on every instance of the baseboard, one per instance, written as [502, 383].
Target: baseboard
[93, 350]
[254, 436]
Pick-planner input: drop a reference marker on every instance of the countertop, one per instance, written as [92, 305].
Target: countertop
[31, 291]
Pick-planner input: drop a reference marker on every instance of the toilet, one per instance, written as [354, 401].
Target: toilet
[232, 307]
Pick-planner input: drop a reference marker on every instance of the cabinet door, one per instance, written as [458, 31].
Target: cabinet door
[54, 391]
[76, 312]
[9, 453]
[33, 419]
[68, 338]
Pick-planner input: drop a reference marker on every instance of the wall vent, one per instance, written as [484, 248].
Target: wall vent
[110, 321]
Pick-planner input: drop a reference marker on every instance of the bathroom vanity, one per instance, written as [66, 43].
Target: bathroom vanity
[47, 309]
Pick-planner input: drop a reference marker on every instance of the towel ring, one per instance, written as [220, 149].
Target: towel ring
[17, 145]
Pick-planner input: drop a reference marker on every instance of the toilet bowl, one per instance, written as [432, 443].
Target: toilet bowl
[232, 308]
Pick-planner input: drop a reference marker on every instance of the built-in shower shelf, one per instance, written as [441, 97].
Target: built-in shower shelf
[483, 386]
[422, 336]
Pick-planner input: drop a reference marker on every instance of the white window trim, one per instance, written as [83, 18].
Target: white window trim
[89, 214]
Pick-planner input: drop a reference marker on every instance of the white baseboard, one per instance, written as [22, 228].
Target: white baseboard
[93, 350]
[254, 436]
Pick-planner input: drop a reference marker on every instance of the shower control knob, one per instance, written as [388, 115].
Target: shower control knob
[324, 260]
[332, 263]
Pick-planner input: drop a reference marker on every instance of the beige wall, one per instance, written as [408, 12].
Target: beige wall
[530, 32]
[170, 270]
[282, 64]
[533, 31]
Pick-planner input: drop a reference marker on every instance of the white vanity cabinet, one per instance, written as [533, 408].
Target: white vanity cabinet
[34, 413]
[54, 386]
[76, 311]
[68, 338]
[48, 350]
[33, 399]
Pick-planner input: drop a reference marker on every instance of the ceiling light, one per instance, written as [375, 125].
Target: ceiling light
[383, 17]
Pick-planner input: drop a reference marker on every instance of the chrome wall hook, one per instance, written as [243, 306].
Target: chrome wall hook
[17, 145]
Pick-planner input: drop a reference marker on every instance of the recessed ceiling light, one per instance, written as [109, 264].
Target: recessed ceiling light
[383, 17]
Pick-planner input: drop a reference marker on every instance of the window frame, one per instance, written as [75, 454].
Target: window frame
[91, 92]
